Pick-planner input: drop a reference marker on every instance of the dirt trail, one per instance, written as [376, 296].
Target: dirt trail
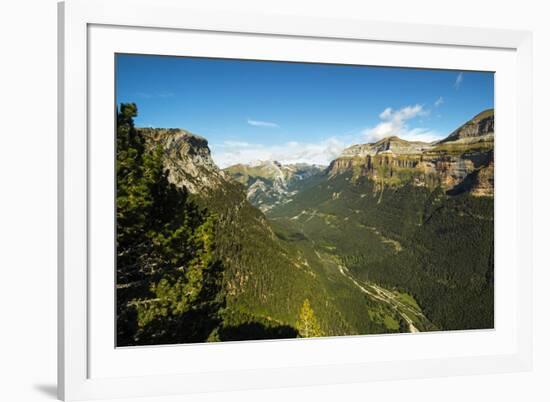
[385, 296]
[380, 294]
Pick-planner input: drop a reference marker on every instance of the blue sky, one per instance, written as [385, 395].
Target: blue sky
[296, 112]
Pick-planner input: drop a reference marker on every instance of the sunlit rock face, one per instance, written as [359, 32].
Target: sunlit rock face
[187, 157]
[463, 161]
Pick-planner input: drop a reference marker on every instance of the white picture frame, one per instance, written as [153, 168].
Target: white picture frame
[90, 31]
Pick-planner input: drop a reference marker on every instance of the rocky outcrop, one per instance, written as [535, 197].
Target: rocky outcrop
[187, 157]
[484, 181]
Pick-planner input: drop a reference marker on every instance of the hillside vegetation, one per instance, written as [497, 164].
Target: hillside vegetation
[434, 247]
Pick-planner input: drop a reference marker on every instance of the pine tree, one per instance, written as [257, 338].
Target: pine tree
[308, 326]
[168, 282]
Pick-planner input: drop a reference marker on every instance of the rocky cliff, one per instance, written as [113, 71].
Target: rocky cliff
[463, 161]
[389, 145]
[187, 157]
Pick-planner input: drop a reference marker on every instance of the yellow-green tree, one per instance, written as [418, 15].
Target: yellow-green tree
[307, 325]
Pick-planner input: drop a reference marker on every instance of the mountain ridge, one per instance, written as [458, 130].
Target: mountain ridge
[452, 163]
[390, 144]
[482, 124]
[271, 183]
[461, 162]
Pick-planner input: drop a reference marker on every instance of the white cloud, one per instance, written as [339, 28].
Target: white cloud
[259, 123]
[458, 81]
[321, 153]
[394, 122]
[406, 113]
[439, 101]
[241, 144]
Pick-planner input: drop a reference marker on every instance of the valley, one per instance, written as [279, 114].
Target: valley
[400, 218]
[392, 236]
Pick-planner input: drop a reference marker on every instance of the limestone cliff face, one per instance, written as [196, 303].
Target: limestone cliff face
[187, 157]
[461, 162]
[346, 163]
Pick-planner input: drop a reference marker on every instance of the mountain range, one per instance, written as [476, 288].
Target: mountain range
[270, 183]
[461, 162]
[391, 236]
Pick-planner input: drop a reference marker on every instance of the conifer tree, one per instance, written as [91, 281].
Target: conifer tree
[168, 282]
[308, 326]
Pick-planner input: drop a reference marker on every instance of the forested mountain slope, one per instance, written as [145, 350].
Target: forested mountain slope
[435, 247]
[412, 216]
